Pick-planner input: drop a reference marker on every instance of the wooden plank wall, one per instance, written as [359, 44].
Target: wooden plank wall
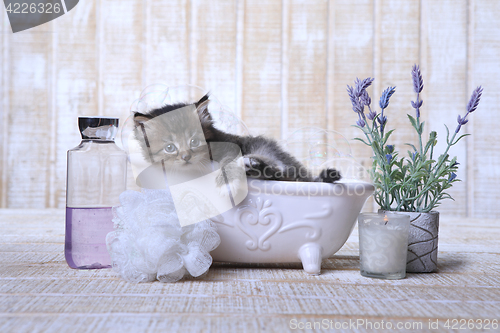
[278, 64]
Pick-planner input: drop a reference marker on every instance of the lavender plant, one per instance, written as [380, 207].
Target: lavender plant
[417, 182]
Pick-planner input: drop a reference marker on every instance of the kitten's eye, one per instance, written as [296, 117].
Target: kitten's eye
[170, 148]
[195, 142]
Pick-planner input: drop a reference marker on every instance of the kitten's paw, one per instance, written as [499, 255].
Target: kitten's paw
[255, 167]
[222, 191]
[234, 187]
[220, 179]
[252, 164]
[224, 188]
[240, 162]
[329, 175]
[230, 177]
[220, 182]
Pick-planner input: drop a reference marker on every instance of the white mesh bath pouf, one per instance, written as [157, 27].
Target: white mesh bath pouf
[148, 242]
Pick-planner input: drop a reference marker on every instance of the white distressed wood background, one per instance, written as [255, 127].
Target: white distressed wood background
[279, 64]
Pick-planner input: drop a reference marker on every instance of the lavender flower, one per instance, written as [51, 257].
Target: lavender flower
[358, 95]
[362, 85]
[365, 98]
[416, 105]
[352, 95]
[418, 82]
[386, 95]
[418, 85]
[389, 158]
[371, 114]
[390, 148]
[359, 108]
[384, 103]
[462, 121]
[361, 122]
[357, 105]
[413, 156]
[382, 120]
[471, 107]
[474, 100]
[452, 177]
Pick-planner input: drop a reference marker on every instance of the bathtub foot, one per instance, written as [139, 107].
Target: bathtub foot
[310, 255]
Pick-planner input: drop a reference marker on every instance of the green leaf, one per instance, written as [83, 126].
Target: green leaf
[411, 145]
[427, 163]
[377, 149]
[459, 138]
[386, 136]
[366, 143]
[421, 129]
[432, 141]
[433, 136]
[413, 122]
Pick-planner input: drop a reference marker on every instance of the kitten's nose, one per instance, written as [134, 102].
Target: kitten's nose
[186, 157]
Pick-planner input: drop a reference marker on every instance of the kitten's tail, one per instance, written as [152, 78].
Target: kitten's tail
[329, 175]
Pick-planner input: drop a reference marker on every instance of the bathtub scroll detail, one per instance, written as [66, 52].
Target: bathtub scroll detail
[258, 212]
[316, 230]
[261, 212]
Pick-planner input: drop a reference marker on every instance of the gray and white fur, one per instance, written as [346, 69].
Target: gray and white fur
[181, 145]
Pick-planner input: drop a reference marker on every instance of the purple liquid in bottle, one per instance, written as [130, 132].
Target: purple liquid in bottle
[86, 230]
[97, 175]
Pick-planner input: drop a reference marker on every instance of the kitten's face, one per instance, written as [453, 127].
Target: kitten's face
[176, 138]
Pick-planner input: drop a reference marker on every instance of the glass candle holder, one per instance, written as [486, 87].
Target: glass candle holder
[383, 245]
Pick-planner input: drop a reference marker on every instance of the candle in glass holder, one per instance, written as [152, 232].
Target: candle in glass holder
[383, 245]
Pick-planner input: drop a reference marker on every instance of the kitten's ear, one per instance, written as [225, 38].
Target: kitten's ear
[140, 118]
[202, 110]
[202, 100]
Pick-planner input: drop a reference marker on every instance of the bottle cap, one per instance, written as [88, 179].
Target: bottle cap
[101, 128]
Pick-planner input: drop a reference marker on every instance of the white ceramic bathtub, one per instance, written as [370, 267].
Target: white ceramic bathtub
[282, 222]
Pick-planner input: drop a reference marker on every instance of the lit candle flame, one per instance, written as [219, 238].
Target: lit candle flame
[386, 219]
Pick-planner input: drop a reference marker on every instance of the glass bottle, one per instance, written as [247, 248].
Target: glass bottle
[96, 177]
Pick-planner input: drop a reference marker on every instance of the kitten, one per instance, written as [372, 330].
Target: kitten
[172, 136]
[181, 143]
